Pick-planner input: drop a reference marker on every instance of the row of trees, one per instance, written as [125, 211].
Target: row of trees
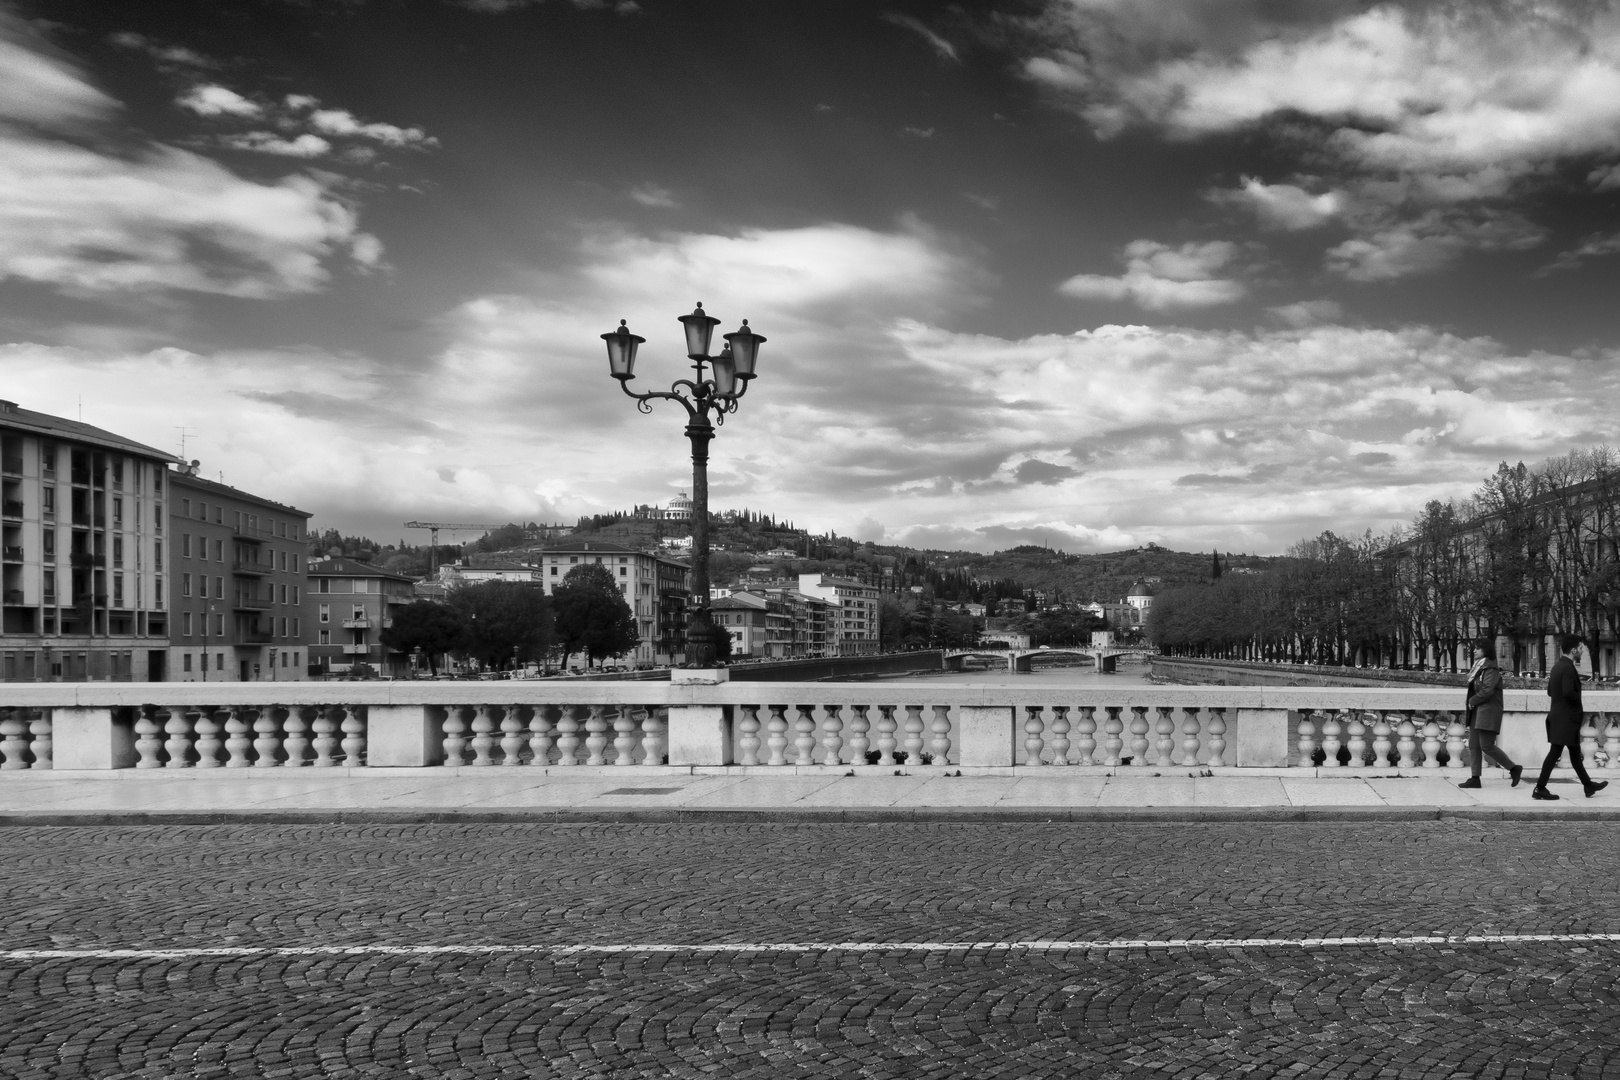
[1533, 552]
[506, 624]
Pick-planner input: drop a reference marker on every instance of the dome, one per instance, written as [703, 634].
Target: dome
[1139, 589]
[680, 501]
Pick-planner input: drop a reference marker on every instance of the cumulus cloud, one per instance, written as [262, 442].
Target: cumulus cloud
[1397, 247]
[1158, 277]
[1309, 312]
[1283, 206]
[210, 100]
[168, 56]
[343, 123]
[268, 142]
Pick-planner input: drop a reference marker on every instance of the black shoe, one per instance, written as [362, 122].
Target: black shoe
[1516, 772]
[1542, 793]
[1593, 789]
[1471, 782]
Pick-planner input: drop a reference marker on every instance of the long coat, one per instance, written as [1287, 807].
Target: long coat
[1485, 699]
[1564, 713]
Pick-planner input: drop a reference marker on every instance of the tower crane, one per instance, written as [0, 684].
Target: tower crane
[433, 528]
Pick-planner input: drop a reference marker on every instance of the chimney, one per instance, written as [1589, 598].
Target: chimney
[7, 406]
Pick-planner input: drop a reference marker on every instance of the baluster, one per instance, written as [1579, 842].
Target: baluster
[1431, 743]
[147, 743]
[1407, 745]
[804, 739]
[483, 740]
[1611, 742]
[325, 727]
[859, 744]
[940, 747]
[1085, 743]
[1217, 738]
[1358, 741]
[40, 728]
[1060, 735]
[624, 737]
[1456, 741]
[237, 743]
[914, 734]
[354, 736]
[1139, 736]
[540, 737]
[455, 740]
[776, 740]
[1331, 743]
[596, 735]
[1033, 744]
[748, 739]
[1189, 736]
[1165, 748]
[567, 736]
[654, 751]
[12, 743]
[1307, 738]
[512, 737]
[1113, 739]
[208, 741]
[832, 737]
[296, 744]
[1381, 740]
[1589, 738]
[176, 746]
[267, 738]
[885, 739]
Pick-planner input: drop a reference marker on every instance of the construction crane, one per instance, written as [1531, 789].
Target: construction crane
[433, 528]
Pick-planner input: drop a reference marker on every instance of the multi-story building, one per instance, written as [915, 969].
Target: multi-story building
[760, 625]
[81, 552]
[858, 627]
[656, 588]
[347, 607]
[813, 622]
[237, 574]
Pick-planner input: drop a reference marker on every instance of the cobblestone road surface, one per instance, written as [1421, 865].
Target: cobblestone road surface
[1547, 1008]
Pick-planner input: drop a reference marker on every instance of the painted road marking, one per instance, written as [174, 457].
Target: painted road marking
[729, 947]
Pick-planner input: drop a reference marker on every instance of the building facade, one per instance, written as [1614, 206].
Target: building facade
[237, 574]
[656, 588]
[857, 631]
[82, 584]
[346, 608]
[760, 625]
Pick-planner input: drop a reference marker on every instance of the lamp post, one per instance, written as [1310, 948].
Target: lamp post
[727, 380]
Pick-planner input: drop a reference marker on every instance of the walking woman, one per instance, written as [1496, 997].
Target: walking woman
[1564, 716]
[1484, 718]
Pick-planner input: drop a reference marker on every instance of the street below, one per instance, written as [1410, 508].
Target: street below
[756, 949]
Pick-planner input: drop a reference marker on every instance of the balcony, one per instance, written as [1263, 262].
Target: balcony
[14, 596]
[249, 569]
[256, 636]
[357, 624]
[11, 466]
[351, 648]
[12, 553]
[250, 603]
[12, 508]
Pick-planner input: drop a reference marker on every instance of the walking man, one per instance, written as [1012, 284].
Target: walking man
[1564, 716]
[1484, 719]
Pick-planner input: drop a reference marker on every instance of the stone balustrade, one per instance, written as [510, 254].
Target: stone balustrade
[912, 724]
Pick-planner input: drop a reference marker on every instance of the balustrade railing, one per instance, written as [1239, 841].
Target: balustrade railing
[909, 725]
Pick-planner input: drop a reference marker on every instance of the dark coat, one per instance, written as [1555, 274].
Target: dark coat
[1564, 713]
[1485, 699]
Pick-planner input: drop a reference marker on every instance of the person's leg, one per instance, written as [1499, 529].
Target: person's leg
[1475, 744]
[1579, 764]
[1554, 752]
[1487, 746]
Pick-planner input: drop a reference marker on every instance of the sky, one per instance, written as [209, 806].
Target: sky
[1084, 273]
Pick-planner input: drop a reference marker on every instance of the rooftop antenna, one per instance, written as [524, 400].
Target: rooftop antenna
[184, 431]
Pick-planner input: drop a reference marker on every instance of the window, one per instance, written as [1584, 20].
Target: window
[553, 571]
[324, 638]
[295, 595]
[573, 558]
[157, 552]
[202, 585]
[325, 585]
[118, 551]
[284, 594]
[297, 628]
[157, 517]
[219, 551]
[281, 529]
[219, 586]
[49, 544]
[219, 661]
[185, 584]
[185, 507]
[295, 562]
[219, 514]
[236, 518]
[295, 658]
[157, 592]
[48, 457]
[48, 499]
[219, 626]
[623, 570]
[284, 560]
[359, 612]
[118, 590]
[284, 626]
[185, 624]
[185, 545]
[326, 612]
[283, 659]
[118, 510]
[185, 661]
[50, 583]
[202, 510]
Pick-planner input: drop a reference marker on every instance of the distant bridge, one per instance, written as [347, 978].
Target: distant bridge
[1018, 660]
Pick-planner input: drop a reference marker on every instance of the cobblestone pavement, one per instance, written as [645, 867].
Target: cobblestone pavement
[1523, 1008]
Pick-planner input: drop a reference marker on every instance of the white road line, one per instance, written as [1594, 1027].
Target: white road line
[734, 947]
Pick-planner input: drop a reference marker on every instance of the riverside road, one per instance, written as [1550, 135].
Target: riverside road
[1362, 948]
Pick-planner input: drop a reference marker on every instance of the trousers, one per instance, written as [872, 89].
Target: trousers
[1553, 753]
[1482, 744]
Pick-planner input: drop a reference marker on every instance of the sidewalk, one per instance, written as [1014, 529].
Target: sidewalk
[584, 793]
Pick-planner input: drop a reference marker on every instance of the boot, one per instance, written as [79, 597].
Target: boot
[1542, 793]
[1471, 782]
[1595, 787]
[1516, 772]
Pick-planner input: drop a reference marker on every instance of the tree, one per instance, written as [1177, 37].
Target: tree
[505, 621]
[434, 628]
[591, 614]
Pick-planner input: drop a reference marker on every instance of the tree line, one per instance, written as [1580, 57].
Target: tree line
[1533, 552]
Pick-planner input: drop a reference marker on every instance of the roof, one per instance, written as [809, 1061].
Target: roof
[13, 415]
[738, 603]
[1139, 589]
[607, 547]
[198, 483]
[338, 566]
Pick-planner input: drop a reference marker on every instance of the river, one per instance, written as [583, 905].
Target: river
[1129, 674]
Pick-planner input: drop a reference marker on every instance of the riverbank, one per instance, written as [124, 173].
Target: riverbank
[1188, 671]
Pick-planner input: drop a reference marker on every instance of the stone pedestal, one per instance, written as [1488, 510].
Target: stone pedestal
[1262, 738]
[89, 739]
[403, 736]
[699, 735]
[700, 676]
[984, 735]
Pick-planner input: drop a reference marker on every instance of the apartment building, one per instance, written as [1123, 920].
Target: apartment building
[857, 631]
[237, 573]
[347, 606]
[655, 587]
[760, 625]
[813, 621]
[82, 586]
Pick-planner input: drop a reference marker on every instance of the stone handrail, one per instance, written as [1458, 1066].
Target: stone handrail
[687, 725]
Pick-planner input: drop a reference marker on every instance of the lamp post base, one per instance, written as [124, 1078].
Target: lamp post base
[700, 636]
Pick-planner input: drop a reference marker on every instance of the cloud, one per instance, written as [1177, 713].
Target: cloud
[1400, 247]
[1035, 471]
[1283, 206]
[942, 48]
[267, 142]
[1158, 277]
[36, 88]
[171, 56]
[210, 100]
[1309, 312]
[918, 132]
[1596, 246]
[650, 194]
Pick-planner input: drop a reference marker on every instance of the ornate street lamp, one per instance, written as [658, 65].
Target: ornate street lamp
[718, 393]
